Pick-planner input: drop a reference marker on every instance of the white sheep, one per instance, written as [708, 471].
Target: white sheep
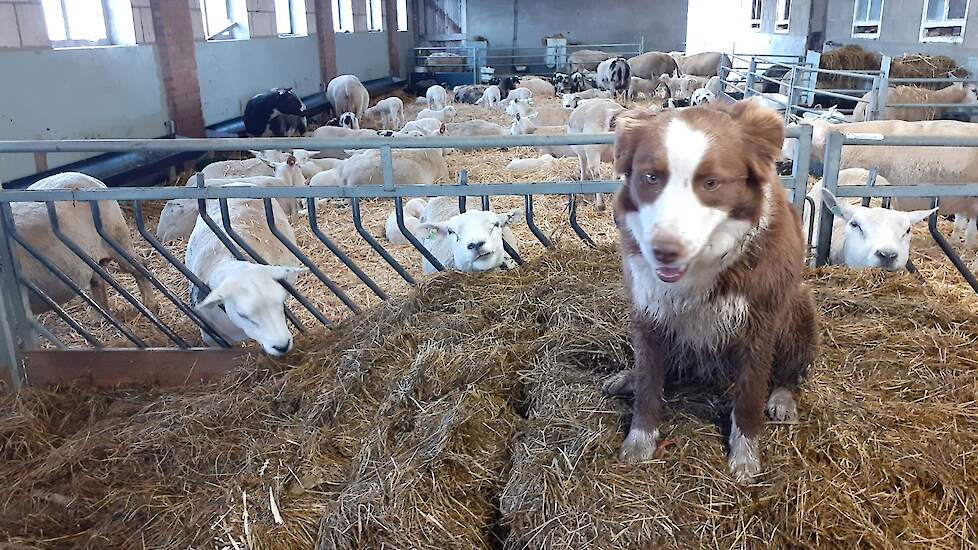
[347, 94]
[251, 294]
[387, 113]
[865, 236]
[239, 168]
[437, 97]
[570, 101]
[538, 86]
[349, 120]
[523, 126]
[427, 126]
[468, 242]
[475, 128]
[413, 211]
[33, 225]
[593, 116]
[490, 98]
[647, 86]
[516, 93]
[445, 115]
[411, 166]
[541, 116]
[524, 166]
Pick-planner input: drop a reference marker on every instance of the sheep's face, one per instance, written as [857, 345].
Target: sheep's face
[568, 101]
[349, 120]
[701, 96]
[971, 93]
[476, 238]
[875, 237]
[254, 301]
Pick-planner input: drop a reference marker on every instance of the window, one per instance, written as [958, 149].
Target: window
[866, 18]
[343, 15]
[784, 16]
[755, 14]
[290, 17]
[222, 19]
[943, 20]
[375, 21]
[76, 22]
[402, 15]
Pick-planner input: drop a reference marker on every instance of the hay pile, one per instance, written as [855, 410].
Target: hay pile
[467, 415]
[911, 65]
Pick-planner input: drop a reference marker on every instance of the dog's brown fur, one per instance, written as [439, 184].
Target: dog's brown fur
[776, 342]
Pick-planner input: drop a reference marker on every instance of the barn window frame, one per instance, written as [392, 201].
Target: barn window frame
[943, 28]
[342, 15]
[756, 14]
[292, 12]
[782, 19]
[863, 24]
[50, 8]
[230, 28]
[375, 15]
[401, 7]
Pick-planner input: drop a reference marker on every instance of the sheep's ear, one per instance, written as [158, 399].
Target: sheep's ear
[513, 216]
[430, 229]
[283, 272]
[841, 209]
[214, 298]
[917, 216]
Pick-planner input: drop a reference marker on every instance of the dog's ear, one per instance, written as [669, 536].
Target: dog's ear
[628, 127]
[762, 135]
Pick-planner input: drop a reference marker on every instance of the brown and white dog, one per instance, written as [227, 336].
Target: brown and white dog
[712, 257]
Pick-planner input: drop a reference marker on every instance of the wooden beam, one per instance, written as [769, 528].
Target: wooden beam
[325, 40]
[131, 367]
[390, 20]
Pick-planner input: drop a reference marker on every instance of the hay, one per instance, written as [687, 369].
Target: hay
[911, 65]
[467, 415]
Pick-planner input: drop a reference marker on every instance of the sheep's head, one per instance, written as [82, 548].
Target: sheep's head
[254, 301]
[349, 120]
[875, 237]
[971, 93]
[476, 238]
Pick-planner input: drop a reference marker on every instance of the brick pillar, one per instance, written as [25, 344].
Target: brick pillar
[390, 26]
[178, 66]
[326, 40]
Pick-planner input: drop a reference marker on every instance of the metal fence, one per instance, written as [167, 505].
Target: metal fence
[467, 61]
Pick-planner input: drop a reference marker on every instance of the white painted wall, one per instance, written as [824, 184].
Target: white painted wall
[724, 25]
[83, 93]
[363, 54]
[232, 71]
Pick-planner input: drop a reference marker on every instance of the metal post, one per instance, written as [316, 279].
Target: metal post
[749, 84]
[884, 86]
[387, 165]
[641, 44]
[803, 157]
[475, 64]
[15, 328]
[830, 182]
[789, 109]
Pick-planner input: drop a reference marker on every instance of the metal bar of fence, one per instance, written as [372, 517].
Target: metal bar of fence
[365, 235]
[572, 216]
[47, 334]
[933, 80]
[409, 235]
[864, 75]
[347, 261]
[183, 269]
[800, 167]
[255, 255]
[13, 309]
[195, 317]
[60, 312]
[931, 105]
[528, 201]
[105, 276]
[833, 94]
[949, 250]
[71, 284]
[924, 190]
[830, 182]
[323, 278]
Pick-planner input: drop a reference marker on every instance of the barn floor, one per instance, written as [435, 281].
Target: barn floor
[467, 414]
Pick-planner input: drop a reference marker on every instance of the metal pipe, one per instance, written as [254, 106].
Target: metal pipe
[830, 182]
[358, 225]
[105, 276]
[409, 235]
[528, 201]
[15, 335]
[349, 263]
[801, 165]
[47, 334]
[572, 215]
[183, 269]
[194, 316]
[91, 339]
[959, 264]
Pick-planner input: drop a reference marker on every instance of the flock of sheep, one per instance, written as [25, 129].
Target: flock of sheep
[473, 240]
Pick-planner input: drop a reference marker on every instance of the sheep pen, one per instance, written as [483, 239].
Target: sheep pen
[468, 414]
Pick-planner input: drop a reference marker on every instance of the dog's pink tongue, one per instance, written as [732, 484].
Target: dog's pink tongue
[670, 274]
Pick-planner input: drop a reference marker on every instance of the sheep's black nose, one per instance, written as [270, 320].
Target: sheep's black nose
[283, 349]
[886, 256]
[476, 245]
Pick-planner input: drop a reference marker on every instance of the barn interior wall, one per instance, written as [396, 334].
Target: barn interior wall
[900, 31]
[661, 22]
[117, 92]
[724, 25]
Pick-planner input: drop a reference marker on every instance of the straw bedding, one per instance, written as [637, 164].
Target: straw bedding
[911, 65]
[467, 414]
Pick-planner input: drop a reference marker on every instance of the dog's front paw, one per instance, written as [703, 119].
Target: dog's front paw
[619, 384]
[744, 461]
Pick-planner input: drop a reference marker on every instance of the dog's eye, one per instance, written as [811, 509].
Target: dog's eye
[651, 178]
[711, 184]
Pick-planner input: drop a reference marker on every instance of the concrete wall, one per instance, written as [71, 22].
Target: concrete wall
[363, 54]
[231, 71]
[900, 31]
[724, 25]
[78, 94]
[661, 22]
